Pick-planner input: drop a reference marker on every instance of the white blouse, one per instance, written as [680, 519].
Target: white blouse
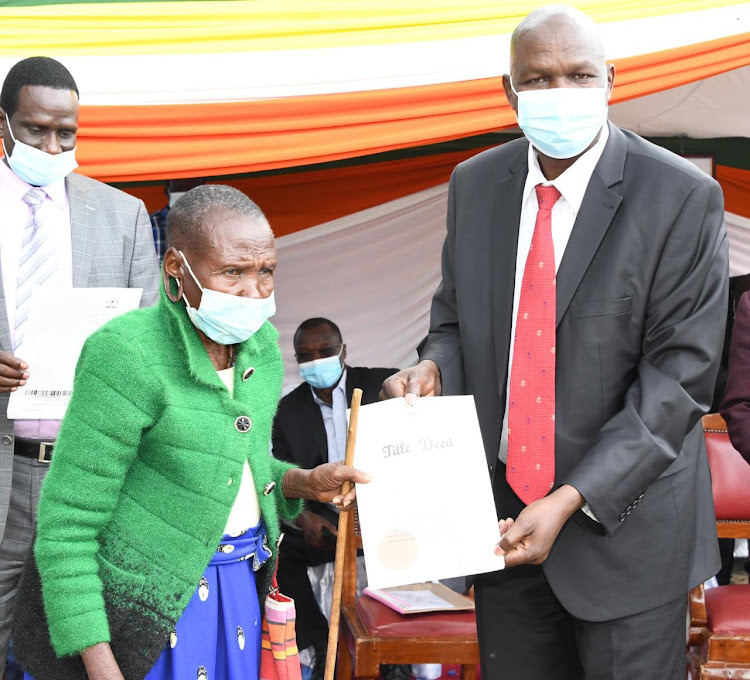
[245, 512]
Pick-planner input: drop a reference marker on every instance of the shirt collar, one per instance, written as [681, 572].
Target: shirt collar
[340, 387]
[572, 184]
[15, 188]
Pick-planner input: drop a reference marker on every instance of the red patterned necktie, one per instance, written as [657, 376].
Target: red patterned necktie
[531, 416]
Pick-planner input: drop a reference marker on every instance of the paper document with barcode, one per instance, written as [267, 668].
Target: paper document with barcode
[428, 512]
[59, 322]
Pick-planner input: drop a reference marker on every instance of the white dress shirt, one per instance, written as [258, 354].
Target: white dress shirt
[572, 185]
[15, 214]
[245, 512]
[334, 420]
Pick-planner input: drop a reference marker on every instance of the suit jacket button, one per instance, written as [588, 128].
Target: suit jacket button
[7, 439]
[243, 424]
[622, 517]
[248, 372]
[268, 488]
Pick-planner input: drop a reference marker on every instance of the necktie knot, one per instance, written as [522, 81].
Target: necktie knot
[34, 198]
[546, 196]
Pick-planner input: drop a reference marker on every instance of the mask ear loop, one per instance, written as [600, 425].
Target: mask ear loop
[195, 278]
[10, 132]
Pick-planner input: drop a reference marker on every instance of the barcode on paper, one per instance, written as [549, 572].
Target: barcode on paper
[49, 393]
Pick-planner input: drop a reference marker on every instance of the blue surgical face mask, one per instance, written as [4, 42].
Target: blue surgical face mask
[228, 319]
[37, 167]
[561, 122]
[322, 373]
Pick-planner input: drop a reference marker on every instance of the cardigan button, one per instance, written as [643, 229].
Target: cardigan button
[248, 372]
[7, 439]
[243, 424]
[268, 488]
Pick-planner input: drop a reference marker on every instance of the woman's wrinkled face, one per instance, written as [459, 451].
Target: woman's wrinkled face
[239, 258]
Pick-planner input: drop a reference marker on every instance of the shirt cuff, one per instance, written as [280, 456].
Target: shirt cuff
[589, 513]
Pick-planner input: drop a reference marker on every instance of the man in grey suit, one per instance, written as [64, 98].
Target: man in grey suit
[582, 304]
[58, 229]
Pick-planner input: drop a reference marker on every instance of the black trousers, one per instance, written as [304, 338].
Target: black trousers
[526, 634]
[294, 558]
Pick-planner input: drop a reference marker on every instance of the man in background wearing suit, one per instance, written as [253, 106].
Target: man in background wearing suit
[58, 230]
[310, 429]
[583, 305]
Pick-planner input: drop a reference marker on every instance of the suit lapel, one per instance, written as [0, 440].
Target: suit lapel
[599, 206]
[506, 216]
[83, 231]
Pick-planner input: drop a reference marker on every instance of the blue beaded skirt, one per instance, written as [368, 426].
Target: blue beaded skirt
[218, 634]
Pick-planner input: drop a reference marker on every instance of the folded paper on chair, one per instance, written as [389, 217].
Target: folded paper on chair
[428, 513]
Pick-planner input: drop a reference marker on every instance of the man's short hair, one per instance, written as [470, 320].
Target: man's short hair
[34, 71]
[318, 322]
[186, 221]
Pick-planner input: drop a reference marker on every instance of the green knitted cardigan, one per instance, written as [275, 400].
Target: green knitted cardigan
[144, 474]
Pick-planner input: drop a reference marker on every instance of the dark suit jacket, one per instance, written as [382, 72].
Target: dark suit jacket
[736, 405]
[640, 313]
[299, 435]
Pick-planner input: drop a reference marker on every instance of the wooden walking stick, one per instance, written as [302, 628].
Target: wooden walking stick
[344, 519]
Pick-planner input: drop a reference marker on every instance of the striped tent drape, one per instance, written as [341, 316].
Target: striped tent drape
[207, 88]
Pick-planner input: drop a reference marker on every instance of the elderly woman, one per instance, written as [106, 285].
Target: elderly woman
[159, 518]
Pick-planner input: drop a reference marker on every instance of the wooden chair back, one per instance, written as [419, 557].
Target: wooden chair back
[730, 480]
[711, 656]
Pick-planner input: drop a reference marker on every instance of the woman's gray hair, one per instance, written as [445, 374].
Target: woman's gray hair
[189, 219]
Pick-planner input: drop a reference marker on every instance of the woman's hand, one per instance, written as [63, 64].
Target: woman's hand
[100, 663]
[324, 483]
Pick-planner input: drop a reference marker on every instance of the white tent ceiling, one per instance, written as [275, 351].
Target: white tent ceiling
[715, 107]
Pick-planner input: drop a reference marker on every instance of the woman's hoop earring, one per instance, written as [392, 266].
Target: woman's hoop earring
[174, 297]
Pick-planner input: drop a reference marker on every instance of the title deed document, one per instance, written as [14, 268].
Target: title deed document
[59, 322]
[428, 512]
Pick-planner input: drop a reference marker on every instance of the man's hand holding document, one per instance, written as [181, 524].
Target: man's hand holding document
[428, 512]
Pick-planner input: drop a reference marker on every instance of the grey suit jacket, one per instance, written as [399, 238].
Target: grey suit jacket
[641, 293]
[112, 245]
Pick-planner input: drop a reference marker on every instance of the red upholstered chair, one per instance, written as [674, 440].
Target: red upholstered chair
[719, 645]
[372, 634]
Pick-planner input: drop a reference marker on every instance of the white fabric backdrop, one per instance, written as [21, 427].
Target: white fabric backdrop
[373, 273]
[714, 107]
[738, 229]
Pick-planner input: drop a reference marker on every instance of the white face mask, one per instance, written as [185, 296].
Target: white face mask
[228, 319]
[322, 373]
[37, 167]
[561, 122]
